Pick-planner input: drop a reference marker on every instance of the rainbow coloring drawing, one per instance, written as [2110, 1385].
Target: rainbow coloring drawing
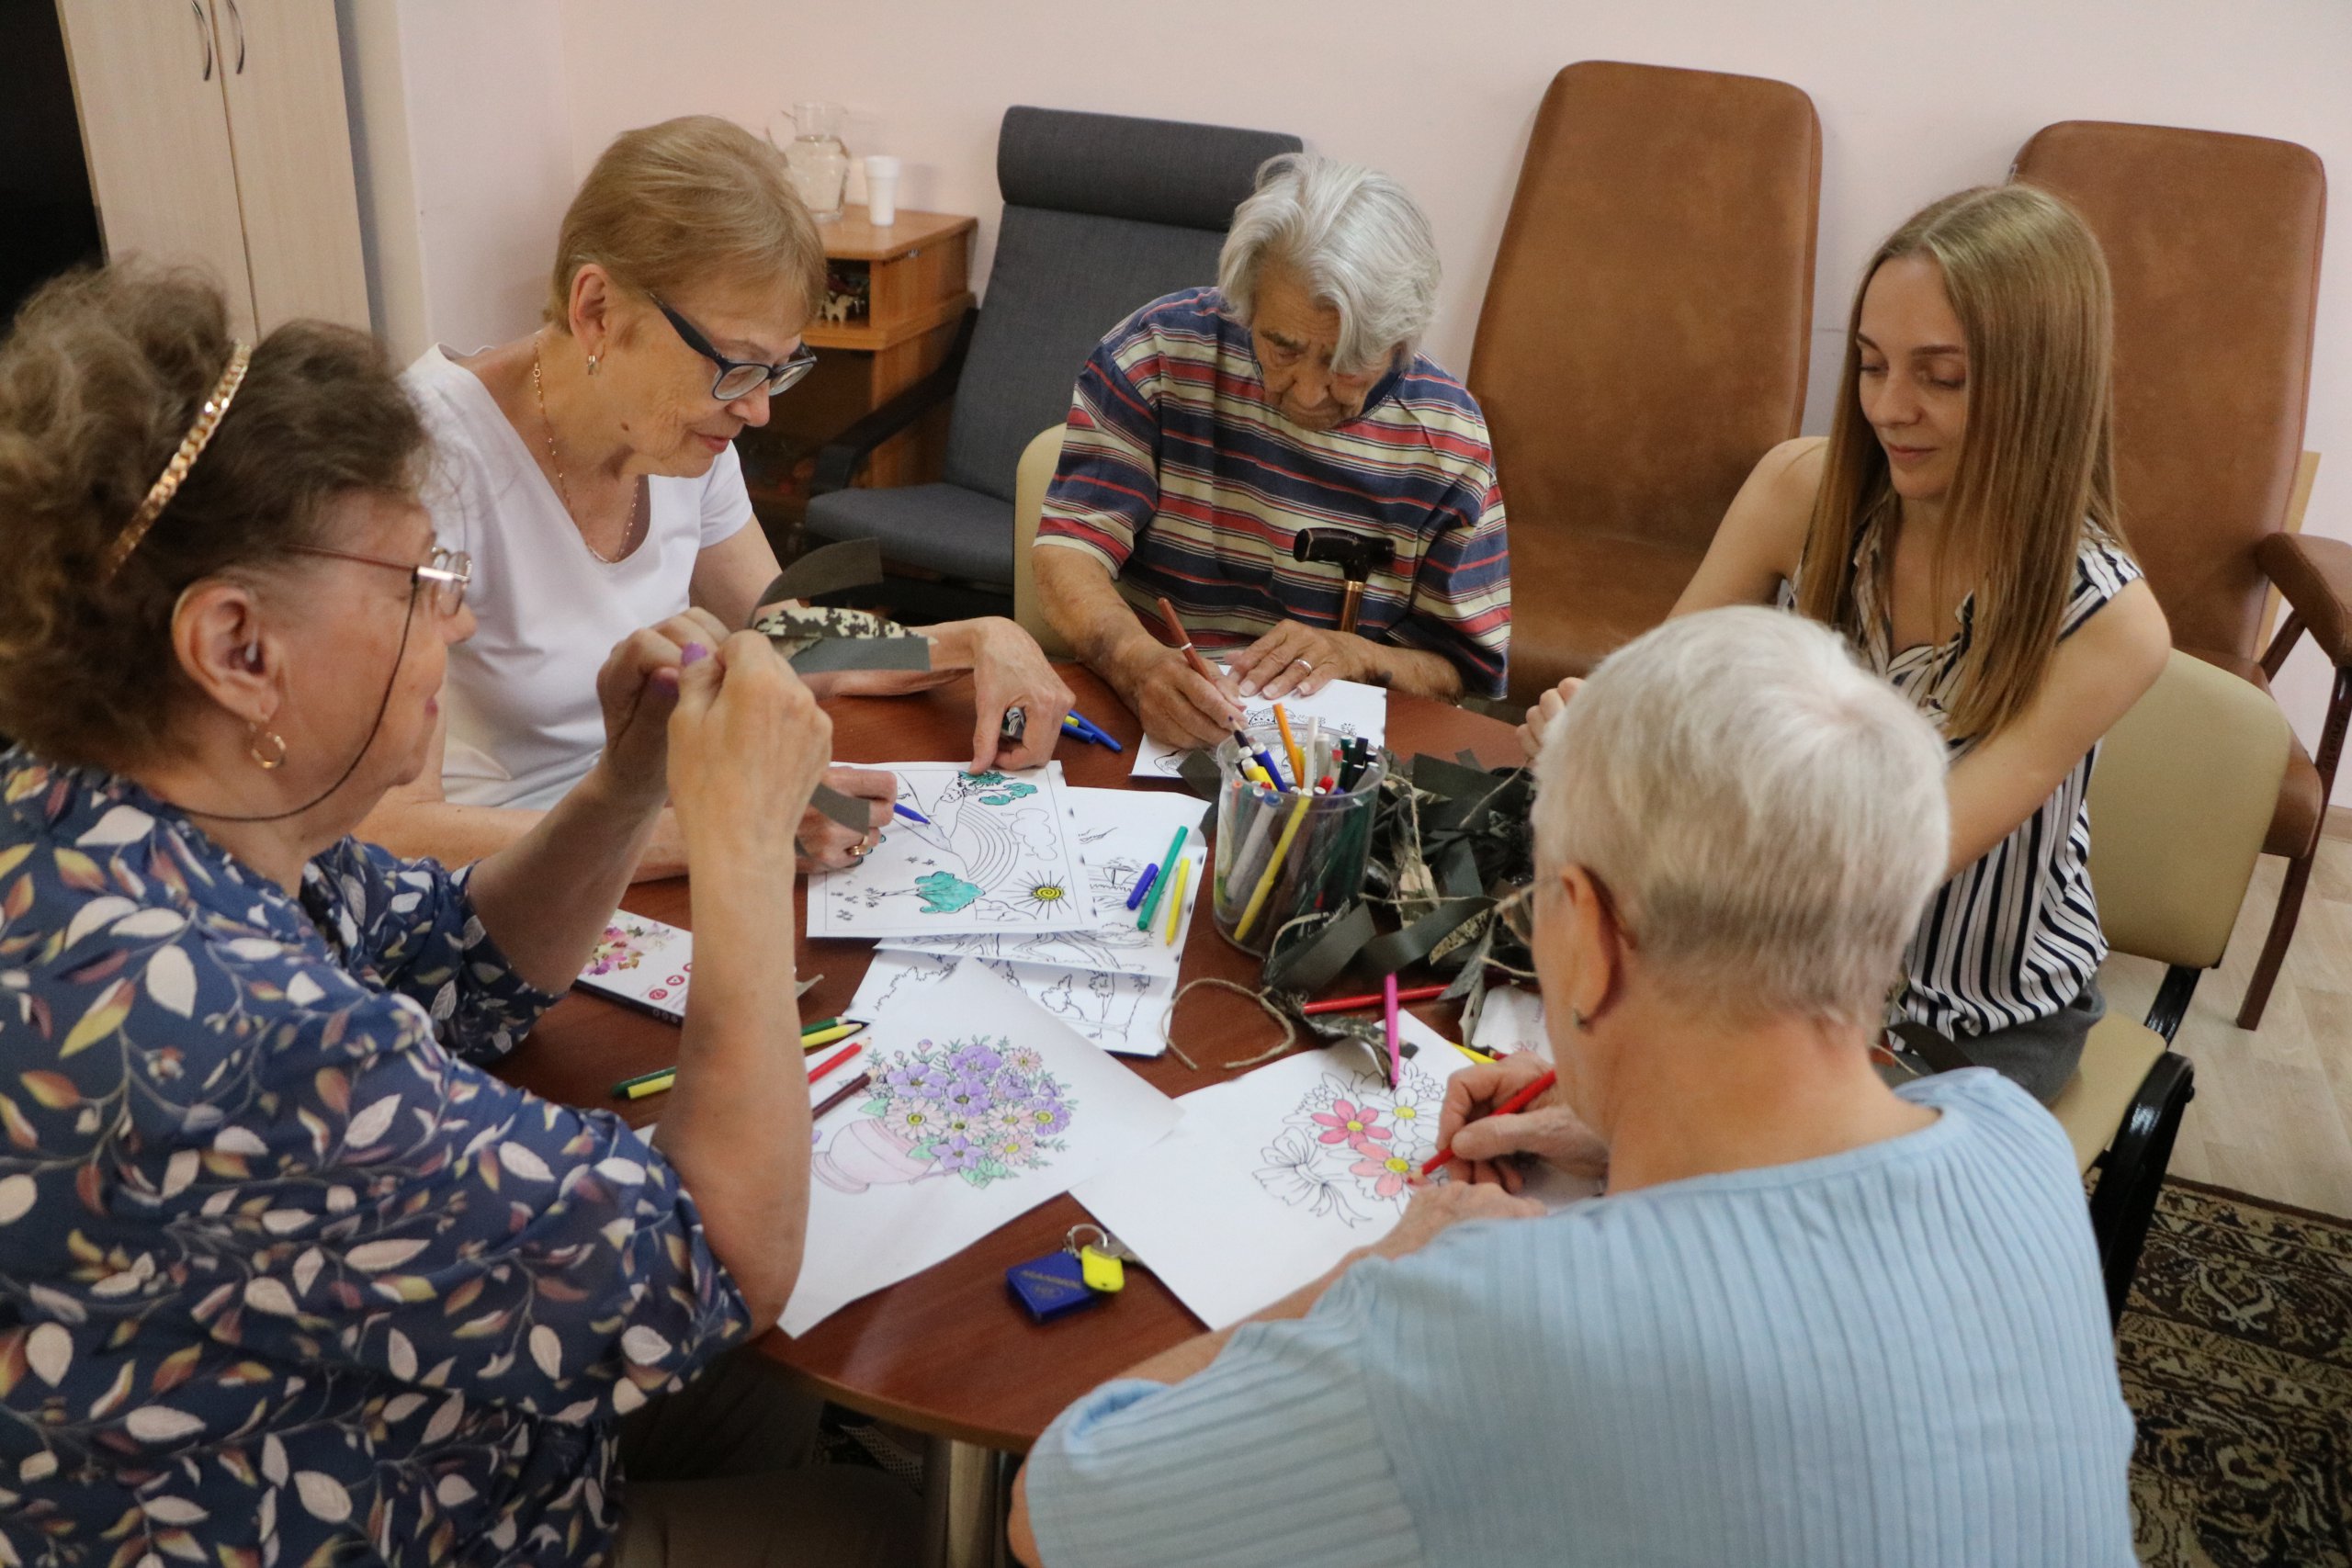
[996, 853]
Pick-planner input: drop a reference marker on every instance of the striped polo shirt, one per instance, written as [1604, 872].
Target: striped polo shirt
[2014, 935]
[1179, 473]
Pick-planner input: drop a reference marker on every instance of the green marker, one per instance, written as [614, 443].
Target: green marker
[1168, 869]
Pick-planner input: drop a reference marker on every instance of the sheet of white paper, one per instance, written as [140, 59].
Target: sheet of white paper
[971, 1122]
[1273, 1177]
[1120, 832]
[999, 854]
[1513, 1021]
[1346, 707]
[1123, 1013]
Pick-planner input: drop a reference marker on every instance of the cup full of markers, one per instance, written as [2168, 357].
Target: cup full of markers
[1294, 815]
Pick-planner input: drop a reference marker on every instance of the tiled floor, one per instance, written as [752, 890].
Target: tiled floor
[2273, 1111]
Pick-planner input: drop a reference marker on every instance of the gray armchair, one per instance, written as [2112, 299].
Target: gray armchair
[1103, 213]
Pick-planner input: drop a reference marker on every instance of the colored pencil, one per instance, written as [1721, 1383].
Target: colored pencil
[1273, 867]
[821, 1025]
[1388, 1006]
[1290, 744]
[1176, 904]
[911, 814]
[1378, 999]
[1512, 1107]
[1143, 885]
[823, 1037]
[861, 1082]
[1151, 899]
[835, 1060]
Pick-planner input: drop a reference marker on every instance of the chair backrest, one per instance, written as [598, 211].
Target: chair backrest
[1038, 461]
[2213, 244]
[2179, 802]
[1645, 330]
[1102, 214]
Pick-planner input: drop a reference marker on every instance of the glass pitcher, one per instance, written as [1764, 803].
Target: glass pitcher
[818, 163]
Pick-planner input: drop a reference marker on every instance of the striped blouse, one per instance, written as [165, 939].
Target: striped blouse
[1178, 474]
[2014, 936]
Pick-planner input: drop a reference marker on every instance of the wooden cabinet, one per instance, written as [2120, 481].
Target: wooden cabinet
[215, 133]
[896, 296]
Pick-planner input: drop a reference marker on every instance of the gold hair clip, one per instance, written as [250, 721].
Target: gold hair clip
[159, 495]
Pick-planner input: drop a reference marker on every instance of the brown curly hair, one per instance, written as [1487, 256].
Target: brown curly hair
[100, 378]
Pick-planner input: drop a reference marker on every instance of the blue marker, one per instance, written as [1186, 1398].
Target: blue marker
[911, 814]
[1142, 886]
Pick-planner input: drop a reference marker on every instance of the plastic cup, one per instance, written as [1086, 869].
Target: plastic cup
[881, 190]
[1283, 853]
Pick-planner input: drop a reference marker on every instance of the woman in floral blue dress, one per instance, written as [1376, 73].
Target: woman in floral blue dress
[285, 1276]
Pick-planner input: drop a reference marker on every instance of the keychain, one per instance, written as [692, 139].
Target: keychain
[1079, 1275]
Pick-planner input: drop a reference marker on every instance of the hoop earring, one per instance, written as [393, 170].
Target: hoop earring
[265, 746]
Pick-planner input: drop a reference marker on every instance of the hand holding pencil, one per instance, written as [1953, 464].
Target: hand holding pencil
[1180, 696]
[1479, 1140]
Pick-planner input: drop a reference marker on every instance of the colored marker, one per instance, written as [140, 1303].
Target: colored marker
[1176, 904]
[1297, 763]
[1143, 885]
[1512, 1107]
[911, 814]
[1380, 999]
[1151, 899]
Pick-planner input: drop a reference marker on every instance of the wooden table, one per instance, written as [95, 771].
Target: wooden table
[948, 1352]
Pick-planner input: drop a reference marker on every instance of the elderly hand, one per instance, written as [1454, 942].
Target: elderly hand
[637, 688]
[1296, 660]
[823, 844]
[1177, 706]
[1436, 1208]
[1548, 1129]
[746, 745]
[1010, 670]
[1547, 708]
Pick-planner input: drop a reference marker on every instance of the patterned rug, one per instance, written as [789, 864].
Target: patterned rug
[2238, 1358]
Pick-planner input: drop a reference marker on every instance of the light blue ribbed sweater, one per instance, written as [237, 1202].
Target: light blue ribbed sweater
[1895, 1355]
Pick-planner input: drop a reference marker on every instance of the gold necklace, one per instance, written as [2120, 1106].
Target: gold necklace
[563, 490]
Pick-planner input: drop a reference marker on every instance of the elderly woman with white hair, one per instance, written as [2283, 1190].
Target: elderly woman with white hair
[1214, 425]
[1812, 1320]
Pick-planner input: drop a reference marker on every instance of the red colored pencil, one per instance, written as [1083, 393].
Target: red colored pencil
[1512, 1107]
[835, 1060]
[1377, 998]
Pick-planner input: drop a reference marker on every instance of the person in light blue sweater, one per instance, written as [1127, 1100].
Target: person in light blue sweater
[1810, 1320]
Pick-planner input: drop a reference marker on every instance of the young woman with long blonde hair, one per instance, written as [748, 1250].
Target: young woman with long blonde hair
[1959, 525]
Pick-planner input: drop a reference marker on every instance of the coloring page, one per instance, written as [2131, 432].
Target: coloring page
[1120, 832]
[1346, 707]
[1513, 1021]
[1273, 1177]
[642, 963]
[1124, 1013]
[982, 1106]
[998, 854]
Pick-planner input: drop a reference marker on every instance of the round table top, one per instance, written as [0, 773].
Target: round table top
[949, 1351]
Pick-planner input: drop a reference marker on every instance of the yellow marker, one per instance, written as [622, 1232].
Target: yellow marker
[659, 1083]
[1273, 867]
[827, 1036]
[1176, 904]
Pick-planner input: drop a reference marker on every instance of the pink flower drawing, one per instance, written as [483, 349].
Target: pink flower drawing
[1392, 1169]
[1354, 1125]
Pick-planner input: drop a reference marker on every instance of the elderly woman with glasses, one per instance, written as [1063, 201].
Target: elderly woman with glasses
[588, 468]
[1811, 1321]
[285, 1275]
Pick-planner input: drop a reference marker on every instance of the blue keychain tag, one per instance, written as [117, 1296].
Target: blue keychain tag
[1052, 1285]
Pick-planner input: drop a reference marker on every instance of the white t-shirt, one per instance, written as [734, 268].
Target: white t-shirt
[521, 695]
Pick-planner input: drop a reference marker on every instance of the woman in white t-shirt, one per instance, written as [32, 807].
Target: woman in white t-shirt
[588, 469]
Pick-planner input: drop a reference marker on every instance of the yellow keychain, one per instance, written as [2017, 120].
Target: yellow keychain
[1102, 1265]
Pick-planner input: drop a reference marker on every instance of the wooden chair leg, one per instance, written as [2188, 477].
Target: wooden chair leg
[2274, 948]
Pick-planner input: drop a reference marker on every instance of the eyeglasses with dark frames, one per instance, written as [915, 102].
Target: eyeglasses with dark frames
[1516, 910]
[447, 572]
[738, 378]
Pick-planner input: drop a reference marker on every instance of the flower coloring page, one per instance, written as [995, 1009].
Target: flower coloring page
[1123, 1013]
[996, 853]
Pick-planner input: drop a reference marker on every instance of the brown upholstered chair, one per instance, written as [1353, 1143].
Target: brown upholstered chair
[1643, 341]
[2213, 242]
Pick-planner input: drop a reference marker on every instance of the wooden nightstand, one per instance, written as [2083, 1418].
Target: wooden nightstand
[897, 295]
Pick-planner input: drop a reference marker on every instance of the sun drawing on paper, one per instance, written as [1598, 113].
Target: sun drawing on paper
[1350, 1149]
[980, 1110]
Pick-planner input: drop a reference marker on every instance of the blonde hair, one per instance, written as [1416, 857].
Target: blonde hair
[2036, 465]
[683, 202]
[1769, 816]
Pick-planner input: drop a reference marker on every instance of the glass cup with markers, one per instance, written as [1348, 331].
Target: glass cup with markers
[1294, 831]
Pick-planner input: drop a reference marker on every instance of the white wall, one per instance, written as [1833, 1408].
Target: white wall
[1915, 99]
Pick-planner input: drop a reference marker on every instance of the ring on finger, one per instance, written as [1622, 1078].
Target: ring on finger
[1303, 664]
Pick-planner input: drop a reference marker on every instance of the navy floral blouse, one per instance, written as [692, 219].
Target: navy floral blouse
[285, 1278]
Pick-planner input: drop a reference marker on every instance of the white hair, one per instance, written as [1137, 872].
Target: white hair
[1357, 243]
[1769, 816]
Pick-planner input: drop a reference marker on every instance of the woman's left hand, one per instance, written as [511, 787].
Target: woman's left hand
[638, 688]
[1296, 660]
[1010, 670]
[824, 844]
